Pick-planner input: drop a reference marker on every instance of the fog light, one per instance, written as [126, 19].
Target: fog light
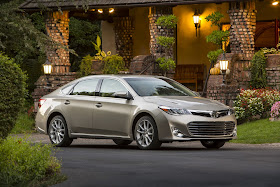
[177, 132]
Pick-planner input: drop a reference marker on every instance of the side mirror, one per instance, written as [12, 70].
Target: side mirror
[123, 95]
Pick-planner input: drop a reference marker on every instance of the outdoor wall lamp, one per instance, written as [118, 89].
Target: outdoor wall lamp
[100, 11]
[275, 3]
[196, 21]
[224, 67]
[111, 10]
[47, 70]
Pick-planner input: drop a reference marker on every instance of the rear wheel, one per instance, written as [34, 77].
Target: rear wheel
[122, 142]
[146, 133]
[58, 132]
[213, 144]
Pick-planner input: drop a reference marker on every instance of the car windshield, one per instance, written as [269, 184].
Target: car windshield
[149, 86]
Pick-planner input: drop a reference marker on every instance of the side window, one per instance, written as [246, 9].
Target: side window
[86, 87]
[67, 89]
[111, 86]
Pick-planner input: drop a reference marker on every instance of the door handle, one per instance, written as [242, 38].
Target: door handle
[67, 102]
[98, 105]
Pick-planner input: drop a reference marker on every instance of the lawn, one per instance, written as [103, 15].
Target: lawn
[24, 124]
[258, 132]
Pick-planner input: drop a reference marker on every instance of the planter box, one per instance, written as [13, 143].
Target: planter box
[273, 60]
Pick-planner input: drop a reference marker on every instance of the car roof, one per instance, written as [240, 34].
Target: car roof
[125, 76]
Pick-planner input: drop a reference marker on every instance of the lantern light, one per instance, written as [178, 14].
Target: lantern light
[100, 11]
[196, 20]
[224, 66]
[111, 10]
[274, 3]
[47, 67]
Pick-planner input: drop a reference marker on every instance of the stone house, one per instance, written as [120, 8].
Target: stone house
[129, 29]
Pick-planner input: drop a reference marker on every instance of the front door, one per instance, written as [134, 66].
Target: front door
[112, 115]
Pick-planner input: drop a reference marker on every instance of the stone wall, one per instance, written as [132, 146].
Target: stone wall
[123, 27]
[243, 26]
[57, 27]
[155, 30]
[47, 84]
[273, 77]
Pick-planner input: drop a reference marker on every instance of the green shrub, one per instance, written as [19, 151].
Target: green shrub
[168, 21]
[86, 66]
[166, 64]
[258, 71]
[166, 41]
[21, 162]
[12, 94]
[24, 124]
[250, 103]
[213, 55]
[113, 64]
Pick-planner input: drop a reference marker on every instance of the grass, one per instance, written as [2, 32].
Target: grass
[24, 124]
[258, 132]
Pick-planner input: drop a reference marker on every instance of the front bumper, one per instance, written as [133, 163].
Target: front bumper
[168, 123]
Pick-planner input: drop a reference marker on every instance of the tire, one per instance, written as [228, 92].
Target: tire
[146, 134]
[213, 144]
[58, 132]
[122, 142]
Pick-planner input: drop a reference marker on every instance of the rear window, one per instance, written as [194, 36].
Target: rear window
[67, 89]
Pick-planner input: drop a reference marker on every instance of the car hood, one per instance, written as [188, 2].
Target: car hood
[187, 102]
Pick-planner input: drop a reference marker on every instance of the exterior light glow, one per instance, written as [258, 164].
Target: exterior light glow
[111, 10]
[275, 3]
[100, 11]
[196, 20]
[224, 67]
[47, 68]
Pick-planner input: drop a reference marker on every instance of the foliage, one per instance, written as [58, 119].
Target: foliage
[12, 93]
[254, 102]
[166, 64]
[215, 18]
[22, 162]
[81, 35]
[166, 41]
[258, 132]
[218, 37]
[258, 71]
[270, 51]
[168, 21]
[113, 64]
[275, 110]
[213, 55]
[86, 66]
[24, 124]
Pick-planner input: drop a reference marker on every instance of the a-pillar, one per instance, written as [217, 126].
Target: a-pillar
[57, 26]
[156, 30]
[243, 26]
[123, 27]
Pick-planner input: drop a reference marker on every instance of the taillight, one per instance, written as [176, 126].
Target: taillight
[41, 102]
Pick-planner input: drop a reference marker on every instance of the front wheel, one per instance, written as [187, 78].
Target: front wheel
[213, 144]
[146, 133]
[58, 132]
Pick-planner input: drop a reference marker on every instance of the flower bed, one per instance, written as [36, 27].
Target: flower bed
[255, 103]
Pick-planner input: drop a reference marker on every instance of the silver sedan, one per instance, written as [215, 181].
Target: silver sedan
[149, 110]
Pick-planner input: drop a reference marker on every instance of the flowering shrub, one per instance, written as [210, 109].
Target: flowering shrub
[275, 110]
[254, 102]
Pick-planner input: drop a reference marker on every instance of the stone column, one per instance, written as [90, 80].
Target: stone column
[155, 30]
[124, 28]
[57, 26]
[243, 26]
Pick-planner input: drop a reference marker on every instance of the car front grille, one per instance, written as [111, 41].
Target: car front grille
[211, 128]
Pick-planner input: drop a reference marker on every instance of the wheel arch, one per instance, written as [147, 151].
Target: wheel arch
[138, 116]
[51, 116]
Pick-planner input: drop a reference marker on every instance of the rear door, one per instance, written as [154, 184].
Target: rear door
[78, 106]
[112, 116]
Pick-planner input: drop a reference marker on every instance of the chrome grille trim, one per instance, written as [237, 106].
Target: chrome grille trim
[212, 114]
[209, 129]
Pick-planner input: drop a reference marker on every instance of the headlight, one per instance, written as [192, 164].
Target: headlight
[231, 111]
[174, 111]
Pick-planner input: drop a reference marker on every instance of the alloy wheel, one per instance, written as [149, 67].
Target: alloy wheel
[57, 131]
[144, 133]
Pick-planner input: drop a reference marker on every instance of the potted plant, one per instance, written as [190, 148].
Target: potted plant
[166, 62]
[273, 56]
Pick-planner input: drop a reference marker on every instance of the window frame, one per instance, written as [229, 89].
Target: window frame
[96, 88]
